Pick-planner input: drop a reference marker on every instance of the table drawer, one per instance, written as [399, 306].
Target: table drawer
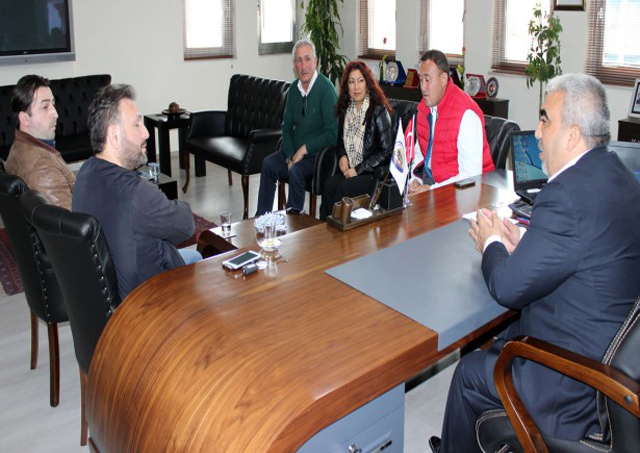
[375, 427]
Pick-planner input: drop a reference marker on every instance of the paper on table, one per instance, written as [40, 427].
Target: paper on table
[473, 216]
[361, 213]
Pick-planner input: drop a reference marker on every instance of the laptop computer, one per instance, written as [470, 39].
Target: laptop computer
[528, 177]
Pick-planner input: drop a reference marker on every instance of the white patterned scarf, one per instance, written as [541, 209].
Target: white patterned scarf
[353, 134]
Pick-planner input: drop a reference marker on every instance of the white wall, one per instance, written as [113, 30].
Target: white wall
[140, 42]
[523, 102]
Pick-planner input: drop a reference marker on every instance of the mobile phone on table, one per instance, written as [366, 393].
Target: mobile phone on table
[461, 184]
[241, 260]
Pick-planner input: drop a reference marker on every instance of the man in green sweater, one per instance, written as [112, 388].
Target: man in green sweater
[309, 124]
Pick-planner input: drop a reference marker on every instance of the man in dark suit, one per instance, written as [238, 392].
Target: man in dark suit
[573, 275]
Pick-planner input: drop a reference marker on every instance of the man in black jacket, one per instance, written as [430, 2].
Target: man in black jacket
[140, 223]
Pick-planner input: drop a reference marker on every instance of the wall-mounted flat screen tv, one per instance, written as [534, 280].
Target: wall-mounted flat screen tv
[36, 31]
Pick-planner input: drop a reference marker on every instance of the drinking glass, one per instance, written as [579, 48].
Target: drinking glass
[154, 170]
[269, 241]
[225, 223]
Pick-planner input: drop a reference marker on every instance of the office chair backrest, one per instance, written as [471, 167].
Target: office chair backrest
[38, 279]
[402, 110]
[620, 426]
[628, 152]
[254, 103]
[82, 262]
[498, 131]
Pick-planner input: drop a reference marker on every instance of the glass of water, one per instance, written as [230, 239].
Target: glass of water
[225, 223]
[269, 241]
[154, 170]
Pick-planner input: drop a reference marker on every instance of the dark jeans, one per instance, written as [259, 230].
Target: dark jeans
[338, 186]
[471, 393]
[274, 169]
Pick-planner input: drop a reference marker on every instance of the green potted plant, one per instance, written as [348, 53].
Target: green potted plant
[321, 23]
[544, 55]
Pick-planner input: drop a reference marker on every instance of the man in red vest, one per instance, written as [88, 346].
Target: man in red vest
[450, 129]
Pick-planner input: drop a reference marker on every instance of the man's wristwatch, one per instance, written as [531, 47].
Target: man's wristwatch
[288, 160]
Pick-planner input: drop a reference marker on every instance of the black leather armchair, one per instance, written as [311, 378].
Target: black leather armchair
[86, 273]
[402, 110]
[325, 166]
[239, 138]
[616, 378]
[498, 131]
[40, 285]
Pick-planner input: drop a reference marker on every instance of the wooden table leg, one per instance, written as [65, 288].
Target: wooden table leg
[186, 163]
[164, 149]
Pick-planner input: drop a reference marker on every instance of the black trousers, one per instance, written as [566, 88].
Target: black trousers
[337, 186]
[471, 393]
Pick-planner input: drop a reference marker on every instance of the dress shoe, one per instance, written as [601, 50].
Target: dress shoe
[434, 443]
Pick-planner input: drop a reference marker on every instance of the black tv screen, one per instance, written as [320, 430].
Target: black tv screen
[35, 31]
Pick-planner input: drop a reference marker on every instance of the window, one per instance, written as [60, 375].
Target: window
[511, 40]
[208, 29]
[613, 51]
[377, 28]
[276, 26]
[442, 27]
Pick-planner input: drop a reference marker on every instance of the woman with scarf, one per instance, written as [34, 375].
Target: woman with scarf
[365, 139]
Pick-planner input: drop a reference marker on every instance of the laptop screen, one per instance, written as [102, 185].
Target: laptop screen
[527, 166]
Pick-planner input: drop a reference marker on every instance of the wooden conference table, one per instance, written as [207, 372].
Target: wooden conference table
[200, 359]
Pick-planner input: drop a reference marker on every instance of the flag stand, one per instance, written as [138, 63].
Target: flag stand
[405, 198]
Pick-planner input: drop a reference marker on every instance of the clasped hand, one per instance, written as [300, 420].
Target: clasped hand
[346, 170]
[489, 224]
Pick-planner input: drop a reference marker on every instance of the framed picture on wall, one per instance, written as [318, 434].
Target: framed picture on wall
[634, 110]
[568, 5]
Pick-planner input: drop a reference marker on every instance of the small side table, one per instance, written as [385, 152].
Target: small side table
[629, 130]
[164, 124]
[167, 184]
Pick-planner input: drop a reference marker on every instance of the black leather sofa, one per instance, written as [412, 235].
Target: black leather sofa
[73, 96]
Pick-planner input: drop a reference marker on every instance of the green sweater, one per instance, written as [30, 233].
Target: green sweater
[318, 127]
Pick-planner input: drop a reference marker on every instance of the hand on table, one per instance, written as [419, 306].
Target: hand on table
[416, 187]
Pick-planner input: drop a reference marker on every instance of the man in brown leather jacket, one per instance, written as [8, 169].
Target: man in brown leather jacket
[33, 156]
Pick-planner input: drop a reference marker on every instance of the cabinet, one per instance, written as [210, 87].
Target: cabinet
[493, 107]
[629, 130]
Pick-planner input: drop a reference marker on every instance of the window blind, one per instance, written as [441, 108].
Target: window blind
[376, 29]
[451, 40]
[208, 29]
[613, 49]
[503, 30]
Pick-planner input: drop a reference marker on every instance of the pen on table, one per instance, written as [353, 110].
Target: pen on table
[523, 220]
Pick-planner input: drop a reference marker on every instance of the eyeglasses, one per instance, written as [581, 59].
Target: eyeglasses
[304, 105]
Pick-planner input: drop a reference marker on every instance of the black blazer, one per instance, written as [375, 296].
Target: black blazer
[378, 141]
[574, 278]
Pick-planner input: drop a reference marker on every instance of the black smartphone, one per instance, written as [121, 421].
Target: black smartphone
[465, 183]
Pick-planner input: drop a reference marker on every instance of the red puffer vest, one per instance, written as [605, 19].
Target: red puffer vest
[444, 154]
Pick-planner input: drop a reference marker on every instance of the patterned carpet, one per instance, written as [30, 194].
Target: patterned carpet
[10, 276]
